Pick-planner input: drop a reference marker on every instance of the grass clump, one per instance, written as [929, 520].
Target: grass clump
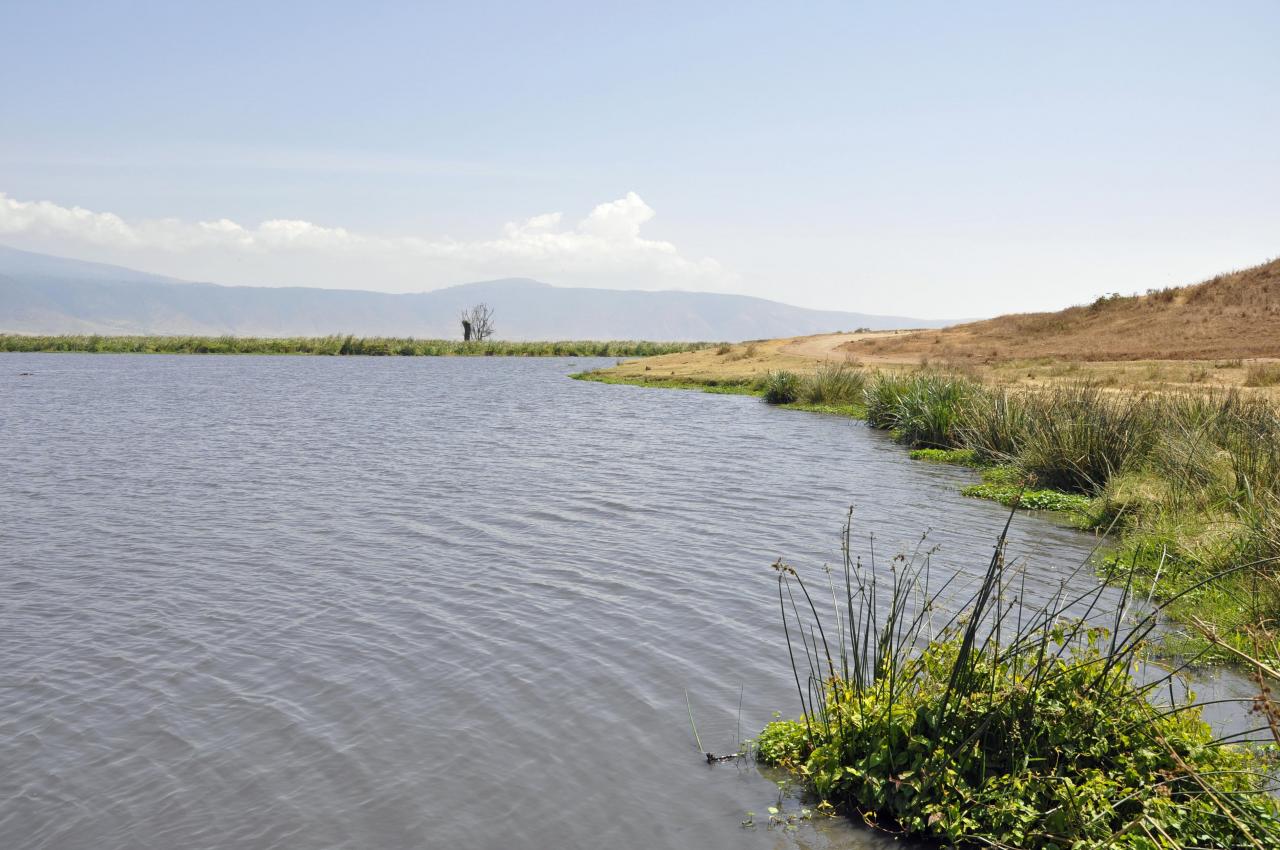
[338, 346]
[834, 385]
[921, 409]
[994, 425]
[782, 387]
[1008, 726]
[1077, 438]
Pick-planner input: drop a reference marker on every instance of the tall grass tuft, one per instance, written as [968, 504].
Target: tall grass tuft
[881, 397]
[922, 409]
[831, 385]
[834, 384]
[1007, 724]
[1078, 437]
[994, 425]
[782, 387]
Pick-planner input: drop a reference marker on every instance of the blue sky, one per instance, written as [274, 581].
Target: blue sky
[936, 160]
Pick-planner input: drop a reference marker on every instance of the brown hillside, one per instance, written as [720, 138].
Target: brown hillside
[1231, 316]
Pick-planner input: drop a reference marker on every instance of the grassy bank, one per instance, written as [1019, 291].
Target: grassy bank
[877, 350]
[834, 390]
[1006, 725]
[725, 387]
[1188, 482]
[337, 346]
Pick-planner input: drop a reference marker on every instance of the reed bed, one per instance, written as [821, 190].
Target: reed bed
[338, 346]
[1005, 724]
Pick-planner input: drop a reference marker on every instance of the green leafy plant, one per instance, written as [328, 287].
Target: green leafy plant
[959, 457]
[1006, 726]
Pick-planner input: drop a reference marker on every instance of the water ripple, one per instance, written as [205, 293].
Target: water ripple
[308, 602]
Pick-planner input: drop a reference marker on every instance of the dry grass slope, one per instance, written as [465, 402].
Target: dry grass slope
[1234, 315]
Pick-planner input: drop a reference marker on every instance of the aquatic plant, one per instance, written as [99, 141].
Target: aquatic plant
[959, 457]
[1006, 725]
[1029, 499]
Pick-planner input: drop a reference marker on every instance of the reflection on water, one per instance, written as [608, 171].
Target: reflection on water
[307, 602]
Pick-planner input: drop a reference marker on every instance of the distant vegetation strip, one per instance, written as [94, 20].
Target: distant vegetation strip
[338, 346]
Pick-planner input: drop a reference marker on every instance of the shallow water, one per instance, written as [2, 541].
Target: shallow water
[256, 602]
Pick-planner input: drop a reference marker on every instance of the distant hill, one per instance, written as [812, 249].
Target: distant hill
[1231, 316]
[55, 295]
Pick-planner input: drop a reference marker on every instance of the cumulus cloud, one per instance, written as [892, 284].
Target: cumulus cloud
[605, 248]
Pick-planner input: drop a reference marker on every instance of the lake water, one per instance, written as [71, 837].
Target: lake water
[255, 602]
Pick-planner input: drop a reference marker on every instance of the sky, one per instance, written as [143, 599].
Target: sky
[936, 160]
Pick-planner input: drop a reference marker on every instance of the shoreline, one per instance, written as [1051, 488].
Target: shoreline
[1066, 505]
[1126, 545]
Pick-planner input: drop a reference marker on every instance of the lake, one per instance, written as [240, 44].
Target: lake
[279, 602]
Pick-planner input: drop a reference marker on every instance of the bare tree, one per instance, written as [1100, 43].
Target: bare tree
[477, 323]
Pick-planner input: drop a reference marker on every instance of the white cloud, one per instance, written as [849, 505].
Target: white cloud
[605, 248]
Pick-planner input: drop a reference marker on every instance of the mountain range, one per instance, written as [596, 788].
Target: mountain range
[43, 294]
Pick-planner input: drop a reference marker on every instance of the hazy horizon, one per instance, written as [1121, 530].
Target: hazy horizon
[44, 294]
[936, 161]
